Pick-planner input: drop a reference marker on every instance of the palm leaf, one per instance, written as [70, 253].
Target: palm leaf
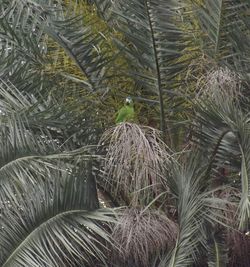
[83, 47]
[152, 45]
[197, 208]
[26, 27]
[186, 182]
[46, 116]
[219, 19]
[28, 151]
[46, 197]
[22, 39]
[54, 224]
[217, 254]
[224, 130]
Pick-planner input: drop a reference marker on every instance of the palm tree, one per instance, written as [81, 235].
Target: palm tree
[48, 190]
[48, 193]
[222, 143]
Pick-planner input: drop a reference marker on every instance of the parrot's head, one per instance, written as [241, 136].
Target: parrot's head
[129, 101]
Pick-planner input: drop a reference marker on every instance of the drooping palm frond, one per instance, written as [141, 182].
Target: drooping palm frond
[46, 116]
[46, 196]
[29, 152]
[222, 129]
[26, 29]
[53, 222]
[22, 39]
[186, 181]
[220, 19]
[218, 252]
[83, 46]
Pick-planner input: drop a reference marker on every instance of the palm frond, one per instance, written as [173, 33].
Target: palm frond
[45, 116]
[55, 223]
[223, 128]
[153, 45]
[29, 152]
[218, 252]
[186, 182]
[219, 19]
[26, 29]
[22, 39]
[83, 46]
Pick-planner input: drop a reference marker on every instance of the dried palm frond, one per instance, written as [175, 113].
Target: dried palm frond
[142, 235]
[134, 161]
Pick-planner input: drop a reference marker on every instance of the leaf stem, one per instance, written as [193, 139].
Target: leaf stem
[157, 66]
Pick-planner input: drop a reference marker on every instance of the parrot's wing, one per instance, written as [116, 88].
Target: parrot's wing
[131, 113]
[122, 114]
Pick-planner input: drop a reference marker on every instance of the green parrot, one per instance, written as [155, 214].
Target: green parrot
[127, 112]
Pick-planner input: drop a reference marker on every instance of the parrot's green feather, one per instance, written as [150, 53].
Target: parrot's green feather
[126, 113]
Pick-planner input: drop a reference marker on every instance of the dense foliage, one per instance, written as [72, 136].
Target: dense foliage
[170, 188]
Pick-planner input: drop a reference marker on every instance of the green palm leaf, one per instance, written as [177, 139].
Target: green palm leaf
[45, 117]
[26, 27]
[186, 183]
[153, 44]
[217, 254]
[224, 130]
[219, 20]
[28, 151]
[50, 224]
[83, 47]
[22, 38]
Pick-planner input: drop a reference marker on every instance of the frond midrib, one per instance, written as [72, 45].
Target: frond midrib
[219, 28]
[157, 68]
[36, 230]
